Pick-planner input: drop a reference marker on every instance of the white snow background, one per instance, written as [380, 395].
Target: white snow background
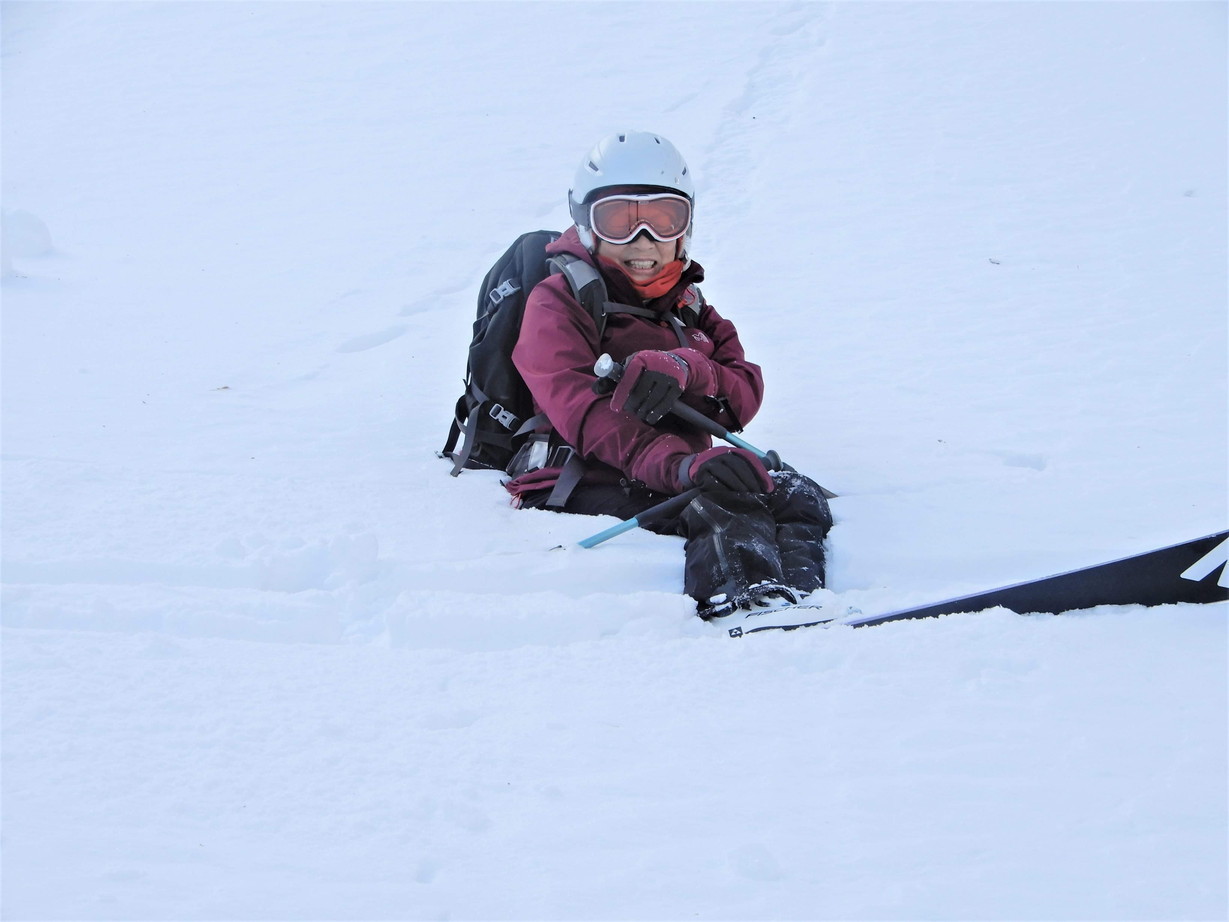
[264, 659]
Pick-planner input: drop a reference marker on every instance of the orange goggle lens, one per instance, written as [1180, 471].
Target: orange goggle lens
[619, 218]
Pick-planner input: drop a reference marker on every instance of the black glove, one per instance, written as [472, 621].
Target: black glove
[651, 385]
[734, 469]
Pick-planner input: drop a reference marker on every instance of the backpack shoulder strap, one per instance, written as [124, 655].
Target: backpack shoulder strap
[693, 303]
[589, 289]
[586, 284]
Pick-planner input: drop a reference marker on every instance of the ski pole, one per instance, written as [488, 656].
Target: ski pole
[606, 367]
[660, 511]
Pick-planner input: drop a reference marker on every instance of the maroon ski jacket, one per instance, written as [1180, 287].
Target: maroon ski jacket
[559, 344]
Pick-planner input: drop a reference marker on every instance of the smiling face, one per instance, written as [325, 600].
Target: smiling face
[643, 258]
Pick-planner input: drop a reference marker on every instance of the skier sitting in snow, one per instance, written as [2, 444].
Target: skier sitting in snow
[754, 539]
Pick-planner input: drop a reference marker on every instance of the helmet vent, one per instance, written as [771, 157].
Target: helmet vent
[593, 167]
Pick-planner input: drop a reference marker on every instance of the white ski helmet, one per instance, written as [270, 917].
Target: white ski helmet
[629, 159]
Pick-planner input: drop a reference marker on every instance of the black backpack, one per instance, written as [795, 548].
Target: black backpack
[494, 417]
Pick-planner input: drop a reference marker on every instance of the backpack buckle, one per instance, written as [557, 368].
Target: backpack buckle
[506, 290]
[559, 456]
[502, 416]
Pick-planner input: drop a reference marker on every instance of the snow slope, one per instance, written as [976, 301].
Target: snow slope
[263, 658]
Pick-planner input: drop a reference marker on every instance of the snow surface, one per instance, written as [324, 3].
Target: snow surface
[264, 659]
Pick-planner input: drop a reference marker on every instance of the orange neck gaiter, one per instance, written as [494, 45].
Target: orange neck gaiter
[655, 287]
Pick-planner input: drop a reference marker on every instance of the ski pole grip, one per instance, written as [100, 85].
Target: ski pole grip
[606, 367]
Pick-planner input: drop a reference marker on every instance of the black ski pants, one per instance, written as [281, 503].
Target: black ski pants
[734, 541]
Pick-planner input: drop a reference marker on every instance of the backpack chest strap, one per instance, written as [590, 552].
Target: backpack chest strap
[676, 324]
[590, 290]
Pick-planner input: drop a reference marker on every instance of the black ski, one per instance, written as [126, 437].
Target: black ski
[1180, 573]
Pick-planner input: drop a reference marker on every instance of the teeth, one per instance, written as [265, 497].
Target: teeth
[641, 263]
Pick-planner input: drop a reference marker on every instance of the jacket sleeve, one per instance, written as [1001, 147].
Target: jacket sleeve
[723, 373]
[555, 352]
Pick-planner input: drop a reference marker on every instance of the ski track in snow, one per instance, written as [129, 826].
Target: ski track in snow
[263, 658]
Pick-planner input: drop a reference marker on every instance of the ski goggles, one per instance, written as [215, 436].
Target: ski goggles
[619, 219]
